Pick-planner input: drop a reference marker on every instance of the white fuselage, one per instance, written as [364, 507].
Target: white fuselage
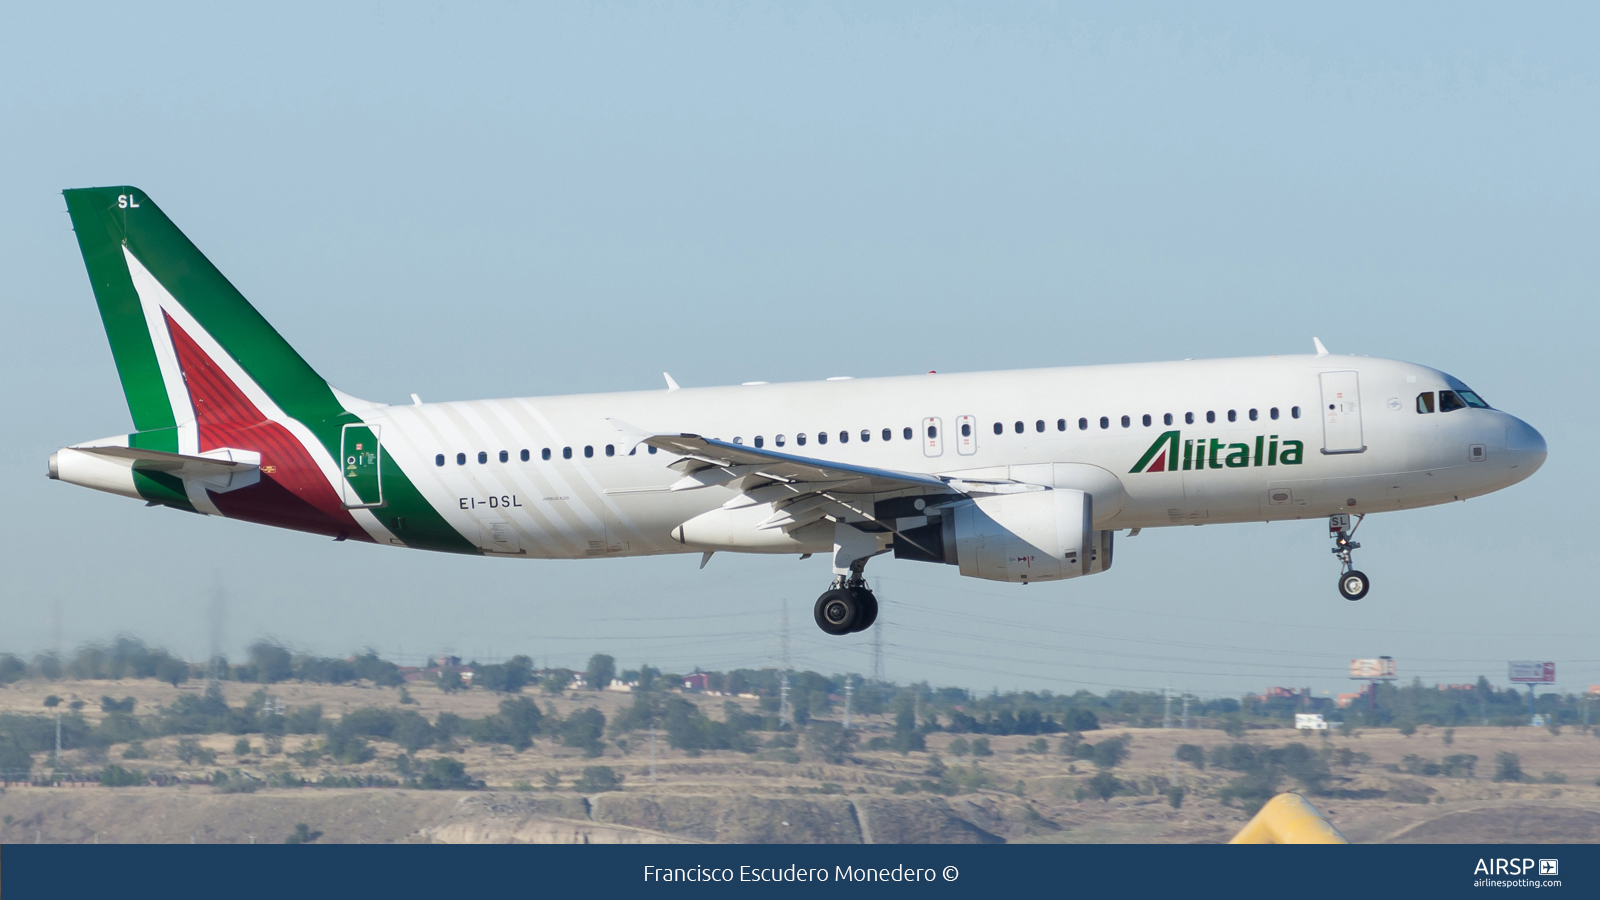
[583, 502]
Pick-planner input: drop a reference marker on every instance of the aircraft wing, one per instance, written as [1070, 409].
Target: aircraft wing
[800, 489]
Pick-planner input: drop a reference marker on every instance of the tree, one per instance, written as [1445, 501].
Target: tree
[302, 835]
[583, 729]
[602, 669]
[1175, 795]
[15, 761]
[450, 681]
[980, 747]
[1233, 727]
[241, 747]
[272, 663]
[1508, 767]
[1110, 753]
[959, 747]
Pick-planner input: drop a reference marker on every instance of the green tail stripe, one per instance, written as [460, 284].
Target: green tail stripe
[100, 240]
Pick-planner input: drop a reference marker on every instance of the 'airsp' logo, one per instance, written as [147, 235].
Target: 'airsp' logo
[1204, 453]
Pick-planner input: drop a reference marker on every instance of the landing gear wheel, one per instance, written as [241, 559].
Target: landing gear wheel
[869, 609]
[837, 611]
[1353, 585]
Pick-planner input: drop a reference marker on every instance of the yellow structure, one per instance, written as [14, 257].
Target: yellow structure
[1288, 819]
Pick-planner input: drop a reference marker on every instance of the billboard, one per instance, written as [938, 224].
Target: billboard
[1380, 669]
[1533, 672]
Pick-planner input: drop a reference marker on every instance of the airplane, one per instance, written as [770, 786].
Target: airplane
[1015, 476]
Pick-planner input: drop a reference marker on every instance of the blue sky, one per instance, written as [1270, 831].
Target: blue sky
[510, 199]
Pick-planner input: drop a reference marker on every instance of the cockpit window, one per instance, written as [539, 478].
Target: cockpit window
[1449, 401]
[1472, 400]
[1425, 402]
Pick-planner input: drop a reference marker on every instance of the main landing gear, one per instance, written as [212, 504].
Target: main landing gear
[849, 606]
[1353, 584]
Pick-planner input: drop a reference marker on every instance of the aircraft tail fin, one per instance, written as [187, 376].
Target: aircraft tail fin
[187, 344]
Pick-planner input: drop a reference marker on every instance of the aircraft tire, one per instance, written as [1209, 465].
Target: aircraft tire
[869, 610]
[837, 610]
[1353, 585]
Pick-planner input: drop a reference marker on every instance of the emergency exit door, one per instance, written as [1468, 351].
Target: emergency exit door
[1341, 413]
[360, 459]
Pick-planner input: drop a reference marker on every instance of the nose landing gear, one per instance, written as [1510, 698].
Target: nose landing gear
[1353, 584]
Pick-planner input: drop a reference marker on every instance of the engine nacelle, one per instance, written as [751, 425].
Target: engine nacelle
[1044, 535]
[1033, 536]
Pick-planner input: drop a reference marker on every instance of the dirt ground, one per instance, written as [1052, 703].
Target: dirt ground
[769, 797]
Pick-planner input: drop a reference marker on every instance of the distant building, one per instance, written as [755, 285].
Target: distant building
[699, 681]
[625, 687]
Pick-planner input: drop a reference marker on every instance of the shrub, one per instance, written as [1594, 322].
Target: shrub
[1459, 765]
[596, 779]
[117, 776]
[980, 747]
[1175, 796]
[583, 729]
[190, 751]
[241, 747]
[1193, 754]
[1081, 720]
[959, 747]
[1105, 785]
[136, 750]
[302, 835]
[235, 782]
[447, 775]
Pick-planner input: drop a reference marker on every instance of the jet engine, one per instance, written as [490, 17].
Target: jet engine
[1032, 536]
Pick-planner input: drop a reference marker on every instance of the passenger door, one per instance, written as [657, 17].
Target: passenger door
[1341, 413]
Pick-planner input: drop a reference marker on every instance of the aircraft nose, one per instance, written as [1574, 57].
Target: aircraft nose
[1526, 447]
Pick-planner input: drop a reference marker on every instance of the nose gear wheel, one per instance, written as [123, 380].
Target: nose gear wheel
[1353, 584]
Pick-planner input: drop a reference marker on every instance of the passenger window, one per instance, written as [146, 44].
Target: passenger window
[999, 429]
[1425, 402]
[1061, 424]
[524, 456]
[1146, 420]
[1126, 421]
[1083, 424]
[1166, 419]
[439, 460]
[966, 429]
[1273, 413]
[1105, 422]
[1254, 415]
[652, 449]
[461, 459]
[482, 457]
[822, 437]
[545, 453]
[888, 434]
[844, 437]
[504, 456]
[907, 433]
[1188, 418]
[1449, 402]
[1039, 425]
[739, 441]
[611, 449]
[1211, 415]
[1294, 412]
[566, 452]
[866, 435]
[588, 451]
[1018, 427]
[1233, 415]
[777, 440]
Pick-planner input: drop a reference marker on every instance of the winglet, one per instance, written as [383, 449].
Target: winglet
[671, 385]
[1321, 350]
